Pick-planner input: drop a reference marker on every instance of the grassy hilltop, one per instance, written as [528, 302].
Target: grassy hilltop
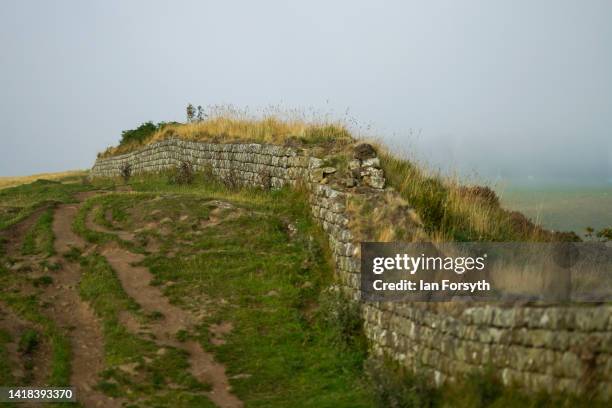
[449, 210]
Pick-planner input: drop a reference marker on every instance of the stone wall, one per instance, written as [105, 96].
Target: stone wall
[554, 348]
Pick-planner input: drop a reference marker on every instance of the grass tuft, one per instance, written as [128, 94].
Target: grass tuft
[230, 126]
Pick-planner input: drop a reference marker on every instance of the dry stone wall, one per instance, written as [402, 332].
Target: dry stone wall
[554, 348]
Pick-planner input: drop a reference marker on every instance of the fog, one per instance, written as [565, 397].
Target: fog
[514, 91]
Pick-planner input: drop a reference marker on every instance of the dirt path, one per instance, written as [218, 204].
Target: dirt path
[68, 310]
[15, 234]
[136, 282]
[91, 225]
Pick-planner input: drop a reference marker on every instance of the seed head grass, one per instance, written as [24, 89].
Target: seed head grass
[230, 127]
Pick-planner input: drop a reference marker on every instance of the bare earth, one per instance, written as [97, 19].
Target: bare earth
[136, 282]
[70, 311]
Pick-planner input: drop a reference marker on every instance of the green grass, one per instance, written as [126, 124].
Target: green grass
[291, 344]
[39, 239]
[98, 205]
[28, 341]
[255, 275]
[230, 126]
[158, 380]
[29, 308]
[17, 203]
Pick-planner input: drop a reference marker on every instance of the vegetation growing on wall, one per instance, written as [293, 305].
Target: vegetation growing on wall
[227, 125]
[448, 210]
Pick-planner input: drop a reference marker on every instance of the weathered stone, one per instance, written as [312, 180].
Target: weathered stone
[314, 163]
[328, 170]
[372, 162]
[316, 175]
[354, 164]
[350, 182]
[376, 182]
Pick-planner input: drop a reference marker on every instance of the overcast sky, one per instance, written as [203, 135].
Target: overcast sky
[504, 89]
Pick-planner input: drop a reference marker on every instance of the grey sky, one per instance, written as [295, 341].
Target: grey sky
[501, 88]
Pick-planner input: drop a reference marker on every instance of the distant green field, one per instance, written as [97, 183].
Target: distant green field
[571, 209]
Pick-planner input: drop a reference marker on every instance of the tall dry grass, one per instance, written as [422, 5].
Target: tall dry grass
[451, 211]
[6, 182]
[225, 125]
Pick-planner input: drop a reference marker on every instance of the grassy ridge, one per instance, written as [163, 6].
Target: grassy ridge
[39, 239]
[451, 212]
[17, 203]
[228, 128]
[448, 210]
[72, 175]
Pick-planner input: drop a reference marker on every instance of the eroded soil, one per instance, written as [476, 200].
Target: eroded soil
[70, 311]
[136, 282]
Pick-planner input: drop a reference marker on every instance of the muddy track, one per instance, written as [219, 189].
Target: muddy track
[90, 224]
[70, 311]
[15, 234]
[136, 283]
[66, 307]
[74, 315]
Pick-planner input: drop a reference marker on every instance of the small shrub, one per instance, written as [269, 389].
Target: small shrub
[138, 135]
[483, 193]
[207, 173]
[156, 315]
[184, 173]
[73, 255]
[126, 172]
[28, 341]
[231, 180]
[396, 388]
[605, 234]
[341, 318]
[44, 280]
[190, 113]
[265, 180]
[200, 115]
[51, 266]
[182, 335]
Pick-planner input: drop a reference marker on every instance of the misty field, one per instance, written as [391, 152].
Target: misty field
[560, 209]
